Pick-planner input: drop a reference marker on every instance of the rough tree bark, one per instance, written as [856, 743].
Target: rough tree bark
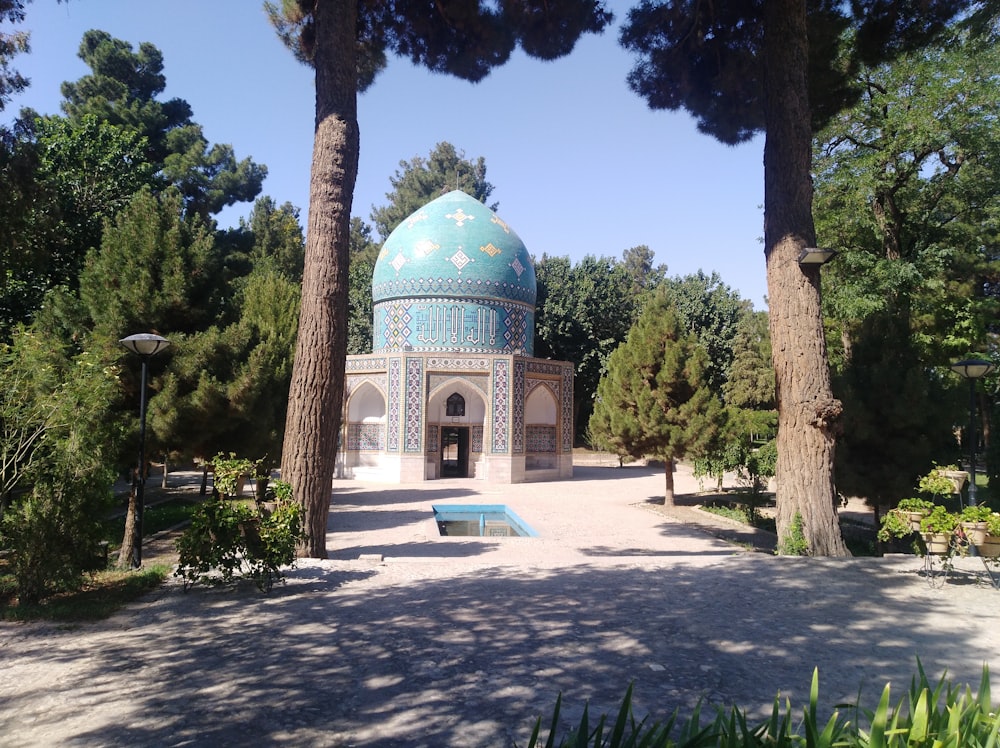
[808, 414]
[668, 490]
[316, 392]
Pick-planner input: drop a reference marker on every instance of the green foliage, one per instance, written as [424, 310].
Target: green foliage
[979, 513]
[654, 400]
[928, 715]
[11, 43]
[419, 180]
[431, 37]
[793, 542]
[582, 314]
[750, 380]
[895, 524]
[897, 415]
[916, 505]
[711, 62]
[735, 450]
[277, 236]
[907, 190]
[364, 254]
[940, 520]
[155, 270]
[937, 483]
[228, 540]
[122, 89]
[229, 471]
[104, 593]
[713, 312]
[65, 440]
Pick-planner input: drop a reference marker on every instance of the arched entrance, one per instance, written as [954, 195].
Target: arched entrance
[454, 452]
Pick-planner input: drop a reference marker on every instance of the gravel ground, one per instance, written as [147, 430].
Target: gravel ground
[405, 638]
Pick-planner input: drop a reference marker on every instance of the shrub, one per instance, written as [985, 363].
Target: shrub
[53, 536]
[793, 542]
[228, 540]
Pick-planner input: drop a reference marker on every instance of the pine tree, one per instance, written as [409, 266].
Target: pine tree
[655, 400]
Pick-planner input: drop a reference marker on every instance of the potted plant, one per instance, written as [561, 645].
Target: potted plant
[943, 481]
[915, 510]
[973, 522]
[228, 474]
[896, 524]
[990, 547]
[937, 529]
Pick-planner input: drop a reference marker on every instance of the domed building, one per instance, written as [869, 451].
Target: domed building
[452, 388]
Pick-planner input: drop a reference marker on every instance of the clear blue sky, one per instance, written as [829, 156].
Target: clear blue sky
[580, 165]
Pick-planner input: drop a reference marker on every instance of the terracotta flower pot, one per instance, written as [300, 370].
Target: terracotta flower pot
[975, 532]
[937, 543]
[990, 547]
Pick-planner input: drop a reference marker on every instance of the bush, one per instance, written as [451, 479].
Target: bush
[228, 540]
[53, 536]
[793, 542]
[939, 715]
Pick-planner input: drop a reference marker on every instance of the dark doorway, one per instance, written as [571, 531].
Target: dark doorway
[454, 451]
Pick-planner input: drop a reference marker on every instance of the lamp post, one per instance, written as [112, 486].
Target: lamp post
[145, 345]
[972, 369]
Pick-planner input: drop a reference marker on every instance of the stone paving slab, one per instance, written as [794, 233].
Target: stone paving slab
[463, 642]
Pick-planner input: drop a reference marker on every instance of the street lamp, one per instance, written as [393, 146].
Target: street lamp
[972, 369]
[145, 345]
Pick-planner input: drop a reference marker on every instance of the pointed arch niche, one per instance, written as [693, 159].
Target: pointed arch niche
[366, 427]
[541, 429]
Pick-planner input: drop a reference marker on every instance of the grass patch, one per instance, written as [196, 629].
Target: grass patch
[155, 518]
[101, 595]
[104, 592]
[741, 513]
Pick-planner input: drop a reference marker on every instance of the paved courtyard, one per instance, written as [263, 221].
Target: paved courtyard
[404, 638]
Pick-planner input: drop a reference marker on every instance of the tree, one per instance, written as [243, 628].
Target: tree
[277, 238]
[655, 400]
[582, 314]
[364, 254]
[645, 276]
[908, 188]
[155, 270]
[52, 527]
[11, 44]
[897, 414]
[419, 181]
[63, 177]
[782, 67]
[712, 311]
[750, 384]
[122, 91]
[346, 42]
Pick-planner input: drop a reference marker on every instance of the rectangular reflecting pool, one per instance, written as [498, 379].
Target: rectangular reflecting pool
[480, 521]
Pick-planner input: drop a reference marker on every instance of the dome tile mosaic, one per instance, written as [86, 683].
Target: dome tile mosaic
[454, 277]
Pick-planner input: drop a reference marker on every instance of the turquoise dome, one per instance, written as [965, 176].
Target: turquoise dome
[454, 277]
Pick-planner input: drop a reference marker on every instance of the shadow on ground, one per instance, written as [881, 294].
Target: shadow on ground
[340, 656]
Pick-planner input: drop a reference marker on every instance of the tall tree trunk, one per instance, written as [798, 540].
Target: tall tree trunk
[315, 396]
[808, 414]
[127, 551]
[668, 492]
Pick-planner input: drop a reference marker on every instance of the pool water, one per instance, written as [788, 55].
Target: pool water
[480, 520]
